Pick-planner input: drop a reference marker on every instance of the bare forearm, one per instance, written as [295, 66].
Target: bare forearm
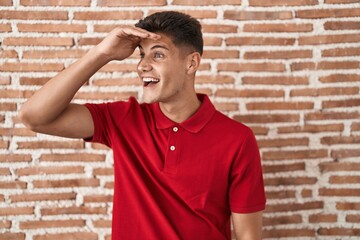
[52, 99]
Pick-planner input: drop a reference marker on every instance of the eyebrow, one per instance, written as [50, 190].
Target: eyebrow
[156, 46]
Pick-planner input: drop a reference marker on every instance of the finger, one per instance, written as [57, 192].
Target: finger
[142, 33]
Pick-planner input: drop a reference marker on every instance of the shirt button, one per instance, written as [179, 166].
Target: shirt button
[175, 129]
[172, 148]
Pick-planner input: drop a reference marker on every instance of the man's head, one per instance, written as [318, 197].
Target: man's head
[184, 30]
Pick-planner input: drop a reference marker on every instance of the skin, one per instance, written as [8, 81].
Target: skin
[173, 66]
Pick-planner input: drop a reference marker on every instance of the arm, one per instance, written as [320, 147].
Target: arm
[247, 226]
[49, 110]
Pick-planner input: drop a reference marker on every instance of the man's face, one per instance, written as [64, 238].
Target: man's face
[162, 68]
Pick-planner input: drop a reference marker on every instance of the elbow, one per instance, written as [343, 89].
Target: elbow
[27, 118]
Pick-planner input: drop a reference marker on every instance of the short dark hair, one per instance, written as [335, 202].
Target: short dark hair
[183, 29]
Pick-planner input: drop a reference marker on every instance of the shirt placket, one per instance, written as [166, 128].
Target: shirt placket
[173, 151]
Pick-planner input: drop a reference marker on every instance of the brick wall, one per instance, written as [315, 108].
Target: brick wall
[288, 69]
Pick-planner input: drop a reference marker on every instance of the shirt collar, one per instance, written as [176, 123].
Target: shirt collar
[193, 124]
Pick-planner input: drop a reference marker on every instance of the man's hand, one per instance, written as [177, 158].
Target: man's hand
[122, 41]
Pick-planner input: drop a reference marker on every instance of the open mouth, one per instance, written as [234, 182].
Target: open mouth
[150, 81]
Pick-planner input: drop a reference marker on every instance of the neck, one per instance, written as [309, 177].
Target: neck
[180, 110]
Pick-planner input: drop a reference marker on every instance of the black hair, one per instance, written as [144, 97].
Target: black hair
[183, 29]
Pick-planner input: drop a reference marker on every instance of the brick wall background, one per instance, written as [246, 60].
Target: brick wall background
[288, 69]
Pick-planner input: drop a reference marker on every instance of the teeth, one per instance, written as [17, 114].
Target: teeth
[148, 80]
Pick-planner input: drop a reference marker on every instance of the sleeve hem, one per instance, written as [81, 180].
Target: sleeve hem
[250, 209]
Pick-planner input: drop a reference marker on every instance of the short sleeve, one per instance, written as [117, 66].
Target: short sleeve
[246, 191]
[106, 118]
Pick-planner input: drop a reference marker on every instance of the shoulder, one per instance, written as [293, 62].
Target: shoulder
[231, 126]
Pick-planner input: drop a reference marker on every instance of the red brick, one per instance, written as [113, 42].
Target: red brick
[295, 154]
[5, 224]
[345, 153]
[331, 115]
[6, 3]
[39, 41]
[33, 81]
[212, 41]
[339, 166]
[84, 3]
[241, 41]
[335, 231]
[340, 1]
[329, 39]
[86, 182]
[5, 80]
[5, 171]
[12, 211]
[259, 130]
[115, 67]
[251, 67]
[102, 223]
[353, 218]
[283, 233]
[333, 78]
[257, 15]
[15, 158]
[13, 185]
[275, 80]
[108, 15]
[283, 194]
[98, 198]
[322, 218]
[31, 67]
[55, 28]
[348, 25]
[340, 140]
[36, 197]
[103, 171]
[4, 144]
[226, 107]
[110, 3]
[284, 168]
[73, 210]
[299, 66]
[49, 170]
[72, 157]
[218, 28]
[344, 179]
[52, 224]
[355, 126]
[328, 13]
[206, 2]
[336, 192]
[307, 193]
[279, 105]
[77, 144]
[16, 132]
[293, 207]
[223, 54]
[12, 236]
[8, 107]
[70, 236]
[214, 79]
[341, 52]
[56, 54]
[249, 93]
[348, 206]
[278, 27]
[330, 91]
[278, 54]
[105, 95]
[5, 27]
[8, 54]
[327, 65]
[341, 103]
[286, 181]
[282, 220]
[198, 14]
[34, 15]
[265, 3]
[267, 118]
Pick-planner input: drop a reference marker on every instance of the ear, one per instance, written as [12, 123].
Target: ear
[193, 62]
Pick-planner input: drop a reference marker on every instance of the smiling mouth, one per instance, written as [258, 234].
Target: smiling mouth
[150, 81]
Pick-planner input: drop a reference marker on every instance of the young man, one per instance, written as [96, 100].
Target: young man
[181, 167]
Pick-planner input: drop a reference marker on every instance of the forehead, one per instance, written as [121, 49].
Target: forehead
[164, 41]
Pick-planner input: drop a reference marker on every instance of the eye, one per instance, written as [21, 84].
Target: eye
[159, 55]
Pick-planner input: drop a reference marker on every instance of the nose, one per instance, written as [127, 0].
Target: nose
[144, 66]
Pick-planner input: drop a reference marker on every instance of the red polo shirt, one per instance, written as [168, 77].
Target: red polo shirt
[178, 181]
